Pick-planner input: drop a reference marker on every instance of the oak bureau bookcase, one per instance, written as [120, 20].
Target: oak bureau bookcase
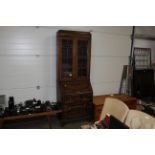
[74, 90]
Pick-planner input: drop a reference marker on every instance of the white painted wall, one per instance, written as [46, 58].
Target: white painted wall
[109, 53]
[28, 60]
[148, 31]
[146, 44]
[145, 30]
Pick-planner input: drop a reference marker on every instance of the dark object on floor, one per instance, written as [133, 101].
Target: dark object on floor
[143, 83]
[111, 122]
[150, 109]
[11, 102]
[31, 106]
[116, 124]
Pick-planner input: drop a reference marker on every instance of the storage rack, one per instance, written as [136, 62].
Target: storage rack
[142, 58]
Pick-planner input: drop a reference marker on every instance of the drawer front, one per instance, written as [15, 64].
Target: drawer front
[77, 105]
[76, 86]
[75, 112]
[73, 100]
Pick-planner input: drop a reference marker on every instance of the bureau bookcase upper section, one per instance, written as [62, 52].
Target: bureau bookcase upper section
[74, 50]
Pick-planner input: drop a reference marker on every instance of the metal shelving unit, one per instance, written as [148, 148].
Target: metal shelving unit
[142, 58]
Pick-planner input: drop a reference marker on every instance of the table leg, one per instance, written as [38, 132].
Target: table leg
[50, 121]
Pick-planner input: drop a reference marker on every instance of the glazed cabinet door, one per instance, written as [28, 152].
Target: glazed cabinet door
[66, 58]
[83, 56]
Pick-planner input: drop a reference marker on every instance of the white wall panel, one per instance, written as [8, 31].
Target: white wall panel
[145, 30]
[28, 40]
[146, 44]
[109, 53]
[148, 31]
[110, 45]
[23, 72]
[28, 59]
[105, 69]
[105, 88]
